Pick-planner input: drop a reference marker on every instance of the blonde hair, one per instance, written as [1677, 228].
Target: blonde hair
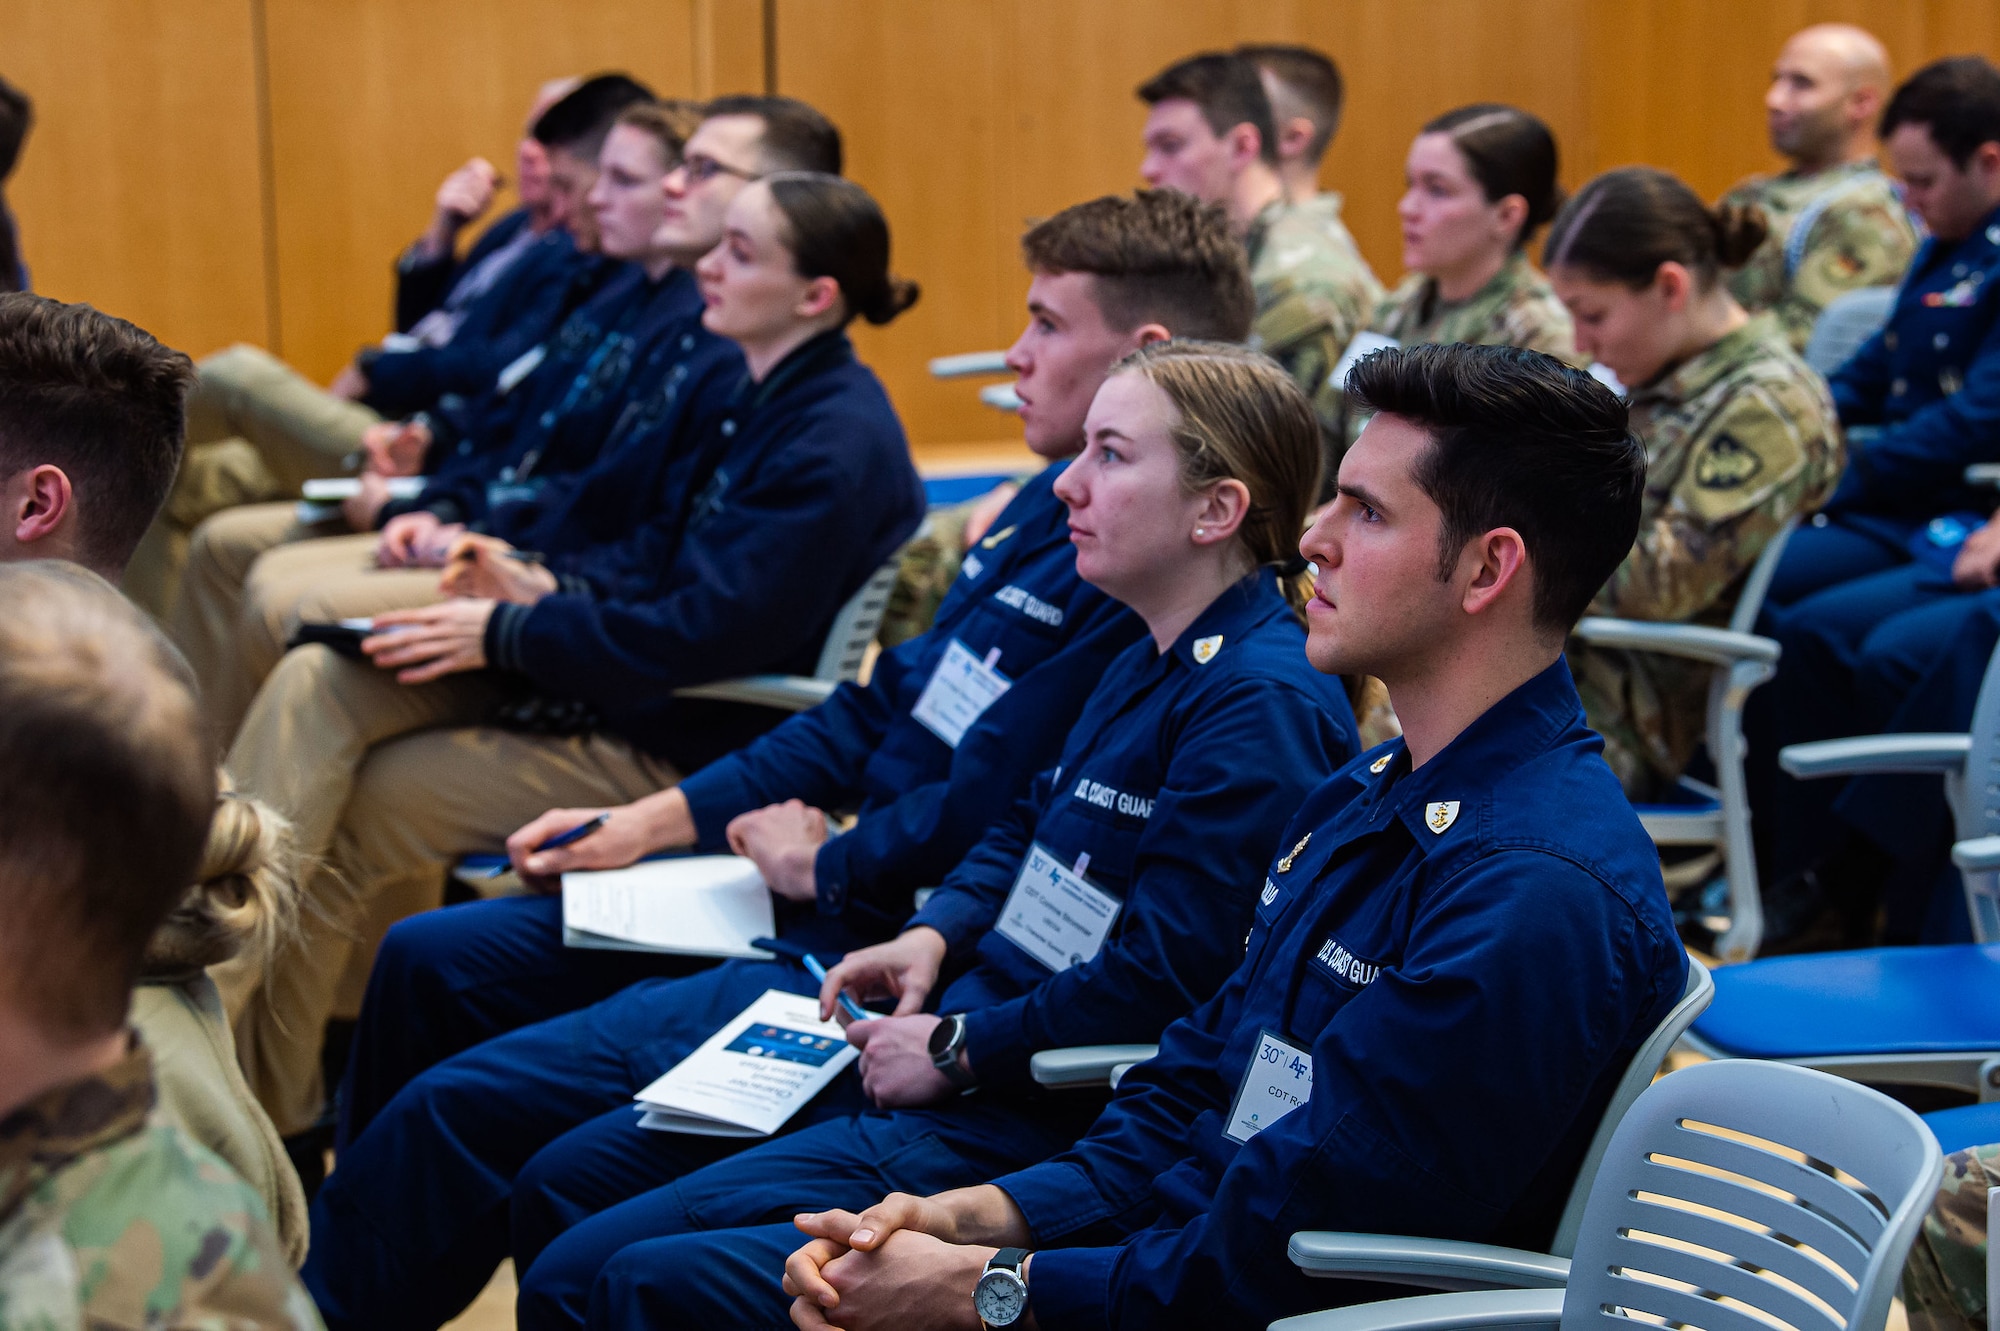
[1242, 418]
[245, 896]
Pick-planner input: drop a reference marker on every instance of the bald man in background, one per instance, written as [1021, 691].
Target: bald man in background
[1836, 221]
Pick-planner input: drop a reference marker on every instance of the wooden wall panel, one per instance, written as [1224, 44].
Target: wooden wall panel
[374, 101]
[139, 190]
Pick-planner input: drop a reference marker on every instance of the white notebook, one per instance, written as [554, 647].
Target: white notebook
[333, 489]
[698, 906]
[753, 1074]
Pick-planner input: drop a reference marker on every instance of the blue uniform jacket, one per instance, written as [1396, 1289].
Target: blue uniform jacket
[1931, 379]
[1470, 952]
[923, 803]
[1175, 781]
[520, 309]
[422, 284]
[812, 490]
[553, 422]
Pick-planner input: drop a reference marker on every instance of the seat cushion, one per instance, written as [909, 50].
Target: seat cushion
[1968, 1125]
[1887, 1000]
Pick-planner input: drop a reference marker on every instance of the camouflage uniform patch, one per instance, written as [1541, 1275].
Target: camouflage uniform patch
[1944, 1281]
[1314, 292]
[112, 1219]
[1858, 234]
[1739, 438]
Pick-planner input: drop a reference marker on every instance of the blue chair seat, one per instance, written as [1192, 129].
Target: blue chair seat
[1892, 1000]
[942, 490]
[1968, 1125]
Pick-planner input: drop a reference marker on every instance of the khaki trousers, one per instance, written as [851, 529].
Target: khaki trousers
[386, 785]
[285, 430]
[253, 574]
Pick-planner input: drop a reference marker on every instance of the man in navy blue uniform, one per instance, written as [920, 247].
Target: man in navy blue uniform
[1478, 884]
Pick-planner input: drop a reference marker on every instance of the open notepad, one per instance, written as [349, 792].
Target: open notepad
[753, 1074]
[697, 906]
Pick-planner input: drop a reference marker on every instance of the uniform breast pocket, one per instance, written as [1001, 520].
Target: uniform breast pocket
[1335, 975]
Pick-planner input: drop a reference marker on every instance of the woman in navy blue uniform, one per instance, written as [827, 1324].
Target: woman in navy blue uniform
[1195, 747]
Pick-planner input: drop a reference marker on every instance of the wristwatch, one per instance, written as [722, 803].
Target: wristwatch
[946, 1043]
[1001, 1295]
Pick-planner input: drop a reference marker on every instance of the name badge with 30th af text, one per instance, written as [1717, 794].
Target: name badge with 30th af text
[959, 692]
[1054, 914]
[1278, 1080]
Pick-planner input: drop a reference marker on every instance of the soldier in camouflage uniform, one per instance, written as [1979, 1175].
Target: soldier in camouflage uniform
[1836, 222]
[1944, 1281]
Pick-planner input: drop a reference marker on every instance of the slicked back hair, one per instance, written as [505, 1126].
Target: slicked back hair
[1521, 440]
[1228, 90]
[1310, 79]
[796, 136]
[1158, 256]
[579, 123]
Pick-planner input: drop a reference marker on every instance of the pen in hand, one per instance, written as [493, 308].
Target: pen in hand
[854, 1010]
[559, 840]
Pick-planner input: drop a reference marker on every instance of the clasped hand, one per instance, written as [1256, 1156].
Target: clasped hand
[427, 643]
[902, 1265]
[783, 841]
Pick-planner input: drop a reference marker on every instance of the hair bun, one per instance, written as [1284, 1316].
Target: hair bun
[1739, 229]
[889, 300]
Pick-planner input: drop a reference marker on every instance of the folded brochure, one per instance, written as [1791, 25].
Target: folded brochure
[753, 1074]
[697, 906]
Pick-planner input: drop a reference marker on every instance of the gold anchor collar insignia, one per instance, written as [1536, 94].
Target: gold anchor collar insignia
[1285, 865]
[997, 537]
[1206, 648]
[1440, 816]
[1381, 764]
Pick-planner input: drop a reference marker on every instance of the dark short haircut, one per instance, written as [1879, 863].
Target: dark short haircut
[1623, 225]
[582, 120]
[1521, 440]
[101, 399]
[1226, 88]
[1957, 99]
[834, 229]
[669, 122]
[17, 117]
[108, 789]
[1508, 151]
[1158, 256]
[1309, 78]
[796, 136]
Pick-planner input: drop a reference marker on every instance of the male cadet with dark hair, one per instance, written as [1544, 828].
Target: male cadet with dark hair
[1306, 94]
[91, 429]
[1479, 883]
[1210, 133]
[258, 429]
[1835, 221]
[109, 1216]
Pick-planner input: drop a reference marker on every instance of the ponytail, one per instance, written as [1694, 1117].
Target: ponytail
[1623, 225]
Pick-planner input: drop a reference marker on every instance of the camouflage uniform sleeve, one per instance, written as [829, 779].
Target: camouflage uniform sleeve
[1305, 326]
[1769, 453]
[1944, 1281]
[1862, 242]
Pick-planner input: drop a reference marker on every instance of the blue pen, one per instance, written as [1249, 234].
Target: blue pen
[561, 839]
[854, 1010]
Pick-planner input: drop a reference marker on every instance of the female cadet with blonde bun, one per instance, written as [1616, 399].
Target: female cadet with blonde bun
[1740, 437]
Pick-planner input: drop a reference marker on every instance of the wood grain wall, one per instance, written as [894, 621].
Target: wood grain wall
[224, 170]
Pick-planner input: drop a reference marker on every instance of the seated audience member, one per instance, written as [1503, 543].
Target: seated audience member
[1109, 276]
[1930, 379]
[259, 429]
[390, 766]
[1944, 1281]
[1198, 466]
[239, 607]
[1480, 883]
[1305, 91]
[109, 1215]
[91, 429]
[17, 116]
[243, 899]
[1740, 438]
[1209, 133]
[1835, 223]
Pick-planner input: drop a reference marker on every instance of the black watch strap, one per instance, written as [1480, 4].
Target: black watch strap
[1009, 1259]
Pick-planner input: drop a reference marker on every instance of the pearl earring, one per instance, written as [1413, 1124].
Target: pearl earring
[1200, 532]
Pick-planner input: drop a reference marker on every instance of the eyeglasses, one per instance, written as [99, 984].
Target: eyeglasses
[702, 169]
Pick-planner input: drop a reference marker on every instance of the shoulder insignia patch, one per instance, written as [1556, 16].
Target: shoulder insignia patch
[1206, 648]
[1726, 464]
[1440, 816]
[1285, 865]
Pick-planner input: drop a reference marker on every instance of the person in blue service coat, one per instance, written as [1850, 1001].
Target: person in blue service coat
[1108, 276]
[392, 765]
[1189, 755]
[1478, 885]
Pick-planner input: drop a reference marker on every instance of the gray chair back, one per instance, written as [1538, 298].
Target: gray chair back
[1739, 1188]
[855, 627]
[1848, 320]
[1757, 583]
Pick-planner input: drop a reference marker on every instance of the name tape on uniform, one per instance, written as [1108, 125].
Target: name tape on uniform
[959, 692]
[520, 368]
[1278, 1080]
[1054, 914]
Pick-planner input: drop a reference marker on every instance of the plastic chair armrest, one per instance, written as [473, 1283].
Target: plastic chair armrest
[790, 693]
[1086, 1064]
[970, 365]
[1983, 473]
[1473, 1310]
[1978, 855]
[1000, 397]
[1696, 642]
[1432, 1263]
[1876, 753]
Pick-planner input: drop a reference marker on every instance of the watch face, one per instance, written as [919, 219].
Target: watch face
[941, 1037]
[999, 1297]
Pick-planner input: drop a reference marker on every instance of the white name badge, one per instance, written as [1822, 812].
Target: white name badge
[1054, 914]
[1358, 346]
[1279, 1080]
[960, 690]
[520, 368]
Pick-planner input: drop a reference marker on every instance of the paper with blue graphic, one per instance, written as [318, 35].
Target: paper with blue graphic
[753, 1074]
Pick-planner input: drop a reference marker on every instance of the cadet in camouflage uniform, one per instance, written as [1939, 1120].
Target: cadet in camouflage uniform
[1944, 1282]
[1836, 222]
[1740, 437]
